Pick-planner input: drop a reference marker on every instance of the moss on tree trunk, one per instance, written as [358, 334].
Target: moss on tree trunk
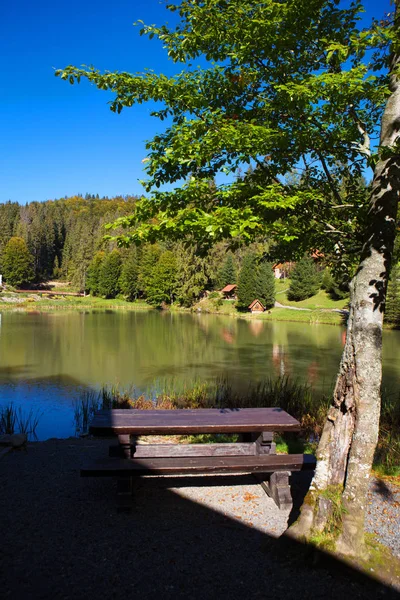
[346, 449]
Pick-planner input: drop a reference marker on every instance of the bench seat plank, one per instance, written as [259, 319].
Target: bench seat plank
[109, 467]
[187, 421]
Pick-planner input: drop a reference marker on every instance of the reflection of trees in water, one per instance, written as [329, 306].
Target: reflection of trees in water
[140, 348]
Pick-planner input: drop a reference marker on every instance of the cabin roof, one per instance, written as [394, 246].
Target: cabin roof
[256, 302]
[229, 288]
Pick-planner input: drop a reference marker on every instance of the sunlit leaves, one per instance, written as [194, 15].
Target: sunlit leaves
[289, 85]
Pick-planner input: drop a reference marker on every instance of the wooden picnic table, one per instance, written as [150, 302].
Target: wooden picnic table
[254, 452]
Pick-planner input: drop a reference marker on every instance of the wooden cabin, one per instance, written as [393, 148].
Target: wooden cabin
[229, 292]
[256, 307]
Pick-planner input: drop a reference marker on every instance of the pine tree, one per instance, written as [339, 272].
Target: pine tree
[335, 288]
[110, 272]
[93, 274]
[163, 284]
[392, 310]
[17, 262]
[247, 283]
[56, 268]
[191, 274]
[129, 276]
[265, 285]
[148, 261]
[305, 280]
[227, 273]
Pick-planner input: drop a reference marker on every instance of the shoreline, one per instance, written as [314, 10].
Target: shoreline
[281, 313]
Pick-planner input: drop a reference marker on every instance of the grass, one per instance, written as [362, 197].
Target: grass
[321, 300]
[314, 317]
[14, 420]
[71, 303]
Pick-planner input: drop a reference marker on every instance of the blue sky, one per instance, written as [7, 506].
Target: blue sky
[58, 139]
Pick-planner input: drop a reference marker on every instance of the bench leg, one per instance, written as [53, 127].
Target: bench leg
[278, 489]
[124, 493]
[265, 444]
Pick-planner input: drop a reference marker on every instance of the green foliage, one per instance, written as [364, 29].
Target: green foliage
[305, 280]
[265, 284]
[129, 279]
[162, 285]
[93, 274]
[192, 278]
[337, 290]
[247, 283]
[109, 275]
[392, 310]
[227, 273]
[17, 262]
[148, 262]
[287, 85]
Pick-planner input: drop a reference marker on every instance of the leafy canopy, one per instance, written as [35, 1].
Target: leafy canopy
[286, 85]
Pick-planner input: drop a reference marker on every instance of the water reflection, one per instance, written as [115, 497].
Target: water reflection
[46, 359]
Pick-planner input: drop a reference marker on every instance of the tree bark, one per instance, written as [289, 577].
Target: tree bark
[346, 449]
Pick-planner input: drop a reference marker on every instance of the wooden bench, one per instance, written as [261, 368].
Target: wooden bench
[254, 453]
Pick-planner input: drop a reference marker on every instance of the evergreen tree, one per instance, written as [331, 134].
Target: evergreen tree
[392, 310]
[93, 274]
[56, 268]
[162, 286]
[129, 276]
[192, 277]
[110, 272]
[227, 273]
[335, 288]
[305, 280]
[17, 262]
[265, 285]
[148, 261]
[247, 283]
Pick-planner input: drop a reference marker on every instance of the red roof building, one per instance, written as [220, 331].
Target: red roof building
[256, 307]
[229, 290]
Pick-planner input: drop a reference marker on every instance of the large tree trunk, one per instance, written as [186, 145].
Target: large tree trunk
[349, 438]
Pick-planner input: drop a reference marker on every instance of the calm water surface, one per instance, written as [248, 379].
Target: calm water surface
[46, 360]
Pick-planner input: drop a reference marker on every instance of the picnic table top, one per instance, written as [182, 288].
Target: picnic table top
[188, 421]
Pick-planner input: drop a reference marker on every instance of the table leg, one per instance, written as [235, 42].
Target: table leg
[278, 488]
[265, 443]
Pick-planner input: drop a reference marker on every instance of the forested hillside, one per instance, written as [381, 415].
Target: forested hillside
[64, 240]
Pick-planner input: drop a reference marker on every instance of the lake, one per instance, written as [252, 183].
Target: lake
[47, 359]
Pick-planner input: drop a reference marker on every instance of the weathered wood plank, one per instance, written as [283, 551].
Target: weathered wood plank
[169, 450]
[182, 421]
[198, 465]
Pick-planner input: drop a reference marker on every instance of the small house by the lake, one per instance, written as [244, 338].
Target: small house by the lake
[229, 291]
[256, 307]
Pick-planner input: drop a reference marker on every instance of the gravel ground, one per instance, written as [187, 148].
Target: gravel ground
[383, 518]
[192, 538]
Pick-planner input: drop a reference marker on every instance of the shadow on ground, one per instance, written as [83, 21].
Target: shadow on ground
[62, 538]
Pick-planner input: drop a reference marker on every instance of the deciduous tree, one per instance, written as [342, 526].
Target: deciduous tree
[294, 84]
[17, 262]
